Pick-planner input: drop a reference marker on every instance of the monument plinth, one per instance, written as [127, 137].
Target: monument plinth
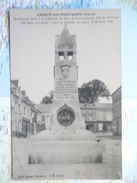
[66, 139]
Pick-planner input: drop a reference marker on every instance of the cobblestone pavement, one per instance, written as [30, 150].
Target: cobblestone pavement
[111, 168]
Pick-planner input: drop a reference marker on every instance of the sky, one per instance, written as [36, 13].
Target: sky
[33, 53]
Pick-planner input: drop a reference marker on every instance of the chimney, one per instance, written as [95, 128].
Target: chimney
[15, 82]
[23, 92]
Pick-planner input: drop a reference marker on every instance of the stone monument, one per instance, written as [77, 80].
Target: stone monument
[66, 139]
[66, 114]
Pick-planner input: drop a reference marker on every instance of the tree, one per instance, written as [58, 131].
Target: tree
[91, 92]
[48, 99]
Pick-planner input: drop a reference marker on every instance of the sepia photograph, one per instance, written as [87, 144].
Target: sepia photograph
[65, 70]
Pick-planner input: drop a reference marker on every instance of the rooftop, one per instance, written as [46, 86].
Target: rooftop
[43, 107]
[116, 90]
[97, 105]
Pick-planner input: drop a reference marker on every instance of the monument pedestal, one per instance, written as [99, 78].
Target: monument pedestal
[66, 147]
[66, 152]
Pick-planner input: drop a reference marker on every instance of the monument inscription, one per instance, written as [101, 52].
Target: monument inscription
[65, 89]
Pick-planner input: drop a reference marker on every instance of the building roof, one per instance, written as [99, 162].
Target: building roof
[97, 105]
[34, 109]
[87, 106]
[116, 90]
[12, 85]
[65, 37]
[43, 107]
[103, 105]
[14, 82]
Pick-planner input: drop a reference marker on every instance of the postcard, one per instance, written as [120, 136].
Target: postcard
[66, 94]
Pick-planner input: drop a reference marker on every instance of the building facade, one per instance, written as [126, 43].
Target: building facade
[98, 117]
[16, 109]
[45, 109]
[26, 120]
[117, 109]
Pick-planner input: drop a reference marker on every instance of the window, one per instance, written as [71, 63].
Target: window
[42, 118]
[61, 56]
[104, 127]
[15, 105]
[91, 127]
[117, 126]
[18, 106]
[100, 117]
[90, 111]
[100, 125]
[24, 110]
[28, 112]
[70, 56]
[109, 117]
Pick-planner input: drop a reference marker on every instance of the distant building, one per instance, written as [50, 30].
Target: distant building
[98, 117]
[36, 120]
[45, 110]
[117, 121]
[26, 120]
[16, 109]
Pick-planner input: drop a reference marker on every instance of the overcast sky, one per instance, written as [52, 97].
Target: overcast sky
[33, 53]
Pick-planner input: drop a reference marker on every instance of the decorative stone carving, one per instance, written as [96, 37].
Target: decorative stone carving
[65, 116]
[65, 71]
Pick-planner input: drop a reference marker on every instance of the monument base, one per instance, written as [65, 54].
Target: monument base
[53, 147]
[65, 135]
[66, 152]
